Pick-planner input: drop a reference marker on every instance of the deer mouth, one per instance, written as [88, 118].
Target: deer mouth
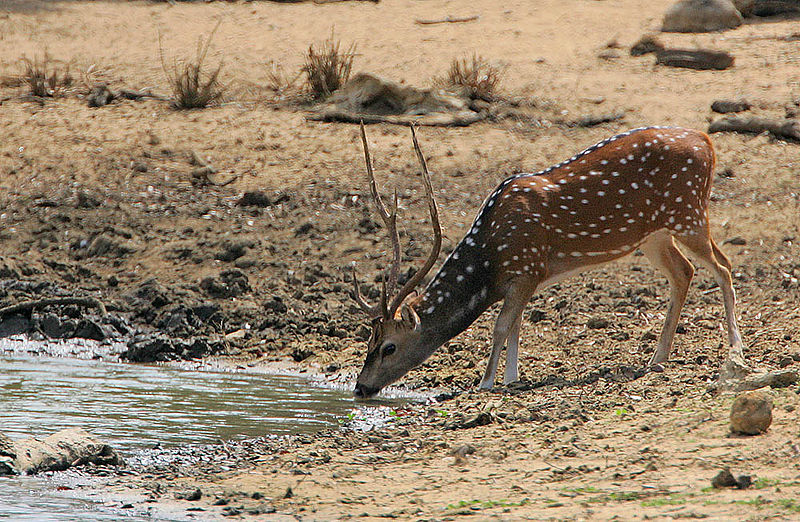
[362, 391]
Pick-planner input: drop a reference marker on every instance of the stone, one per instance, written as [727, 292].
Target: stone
[230, 283]
[8, 269]
[7, 446]
[62, 450]
[751, 413]
[99, 96]
[105, 246]
[701, 16]
[745, 7]
[724, 479]
[596, 323]
[14, 325]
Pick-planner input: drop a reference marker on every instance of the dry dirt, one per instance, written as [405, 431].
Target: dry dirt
[581, 440]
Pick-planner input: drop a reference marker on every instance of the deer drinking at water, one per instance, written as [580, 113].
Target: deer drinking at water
[647, 188]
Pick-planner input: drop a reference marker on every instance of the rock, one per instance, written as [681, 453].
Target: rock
[52, 326]
[245, 262]
[191, 496]
[231, 283]
[7, 446]
[157, 348]
[257, 198]
[751, 413]
[646, 44]
[62, 450]
[481, 419]
[233, 250]
[8, 269]
[301, 353]
[304, 229]
[736, 240]
[745, 7]
[596, 323]
[86, 200]
[701, 16]
[724, 479]
[99, 96]
[14, 325]
[726, 106]
[88, 329]
[104, 246]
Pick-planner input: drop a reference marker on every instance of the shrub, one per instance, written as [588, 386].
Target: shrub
[192, 87]
[476, 77]
[45, 77]
[327, 68]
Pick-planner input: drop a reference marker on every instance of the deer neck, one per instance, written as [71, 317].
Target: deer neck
[458, 294]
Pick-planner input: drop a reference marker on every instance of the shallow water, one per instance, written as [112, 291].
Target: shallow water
[135, 407]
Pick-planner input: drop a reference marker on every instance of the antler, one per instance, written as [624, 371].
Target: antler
[390, 220]
[382, 309]
[437, 233]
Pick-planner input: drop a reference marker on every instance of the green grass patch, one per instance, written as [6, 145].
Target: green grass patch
[791, 504]
[672, 500]
[583, 490]
[485, 504]
[617, 496]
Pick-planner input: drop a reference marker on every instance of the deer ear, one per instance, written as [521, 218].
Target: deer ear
[410, 317]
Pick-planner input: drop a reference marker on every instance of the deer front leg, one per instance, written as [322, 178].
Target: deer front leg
[509, 316]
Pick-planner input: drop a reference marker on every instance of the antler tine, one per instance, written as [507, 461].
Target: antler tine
[389, 218]
[371, 310]
[437, 233]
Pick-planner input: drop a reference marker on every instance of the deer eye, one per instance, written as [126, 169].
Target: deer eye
[389, 349]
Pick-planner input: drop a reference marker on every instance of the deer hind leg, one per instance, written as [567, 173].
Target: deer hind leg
[512, 353]
[661, 251]
[506, 327]
[710, 256]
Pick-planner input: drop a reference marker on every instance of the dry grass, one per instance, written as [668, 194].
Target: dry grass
[192, 87]
[474, 76]
[327, 68]
[278, 81]
[44, 77]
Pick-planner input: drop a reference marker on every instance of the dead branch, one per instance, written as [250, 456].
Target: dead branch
[593, 120]
[460, 119]
[786, 128]
[447, 20]
[699, 59]
[725, 106]
[25, 306]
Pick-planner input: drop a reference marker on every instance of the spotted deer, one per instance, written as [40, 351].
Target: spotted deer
[647, 188]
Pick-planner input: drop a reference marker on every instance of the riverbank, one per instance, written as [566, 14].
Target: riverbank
[104, 203]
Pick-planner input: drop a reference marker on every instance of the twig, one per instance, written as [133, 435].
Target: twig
[25, 306]
[786, 128]
[447, 20]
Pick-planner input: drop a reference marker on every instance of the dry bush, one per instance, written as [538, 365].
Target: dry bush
[192, 87]
[45, 77]
[327, 68]
[277, 79]
[474, 76]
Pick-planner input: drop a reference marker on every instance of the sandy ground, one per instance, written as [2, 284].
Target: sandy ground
[585, 448]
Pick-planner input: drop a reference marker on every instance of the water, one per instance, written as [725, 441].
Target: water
[135, 407]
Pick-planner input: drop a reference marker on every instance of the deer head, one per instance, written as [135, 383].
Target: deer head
[392, 349]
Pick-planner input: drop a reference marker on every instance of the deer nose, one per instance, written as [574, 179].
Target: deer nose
[362, 392]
